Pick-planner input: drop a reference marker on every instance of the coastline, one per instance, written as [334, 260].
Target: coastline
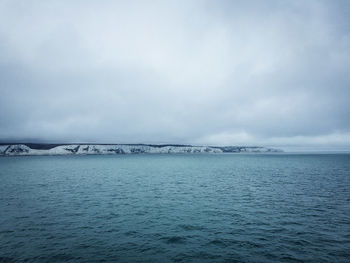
[27, 149]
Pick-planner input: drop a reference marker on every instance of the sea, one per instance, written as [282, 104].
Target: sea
[175, 208]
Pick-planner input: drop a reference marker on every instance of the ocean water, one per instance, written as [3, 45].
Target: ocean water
[175, 208]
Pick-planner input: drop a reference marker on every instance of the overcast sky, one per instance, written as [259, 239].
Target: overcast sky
[273, 73]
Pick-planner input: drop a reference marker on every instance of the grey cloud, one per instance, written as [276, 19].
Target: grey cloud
[225, 72]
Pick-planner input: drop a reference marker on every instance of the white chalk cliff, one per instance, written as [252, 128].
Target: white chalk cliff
[85, 149]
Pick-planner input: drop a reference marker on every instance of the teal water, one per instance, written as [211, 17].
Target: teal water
[175, 208]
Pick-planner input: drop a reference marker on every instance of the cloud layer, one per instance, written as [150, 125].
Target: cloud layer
[272, 73]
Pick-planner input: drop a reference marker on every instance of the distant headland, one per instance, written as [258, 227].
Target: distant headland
[16, 149]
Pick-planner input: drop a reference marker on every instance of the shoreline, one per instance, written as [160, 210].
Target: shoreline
[117, 149]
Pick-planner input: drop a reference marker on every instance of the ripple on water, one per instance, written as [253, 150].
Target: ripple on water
[191, 227]
[174, 239]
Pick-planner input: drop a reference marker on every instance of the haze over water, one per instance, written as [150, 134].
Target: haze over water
[175, 208]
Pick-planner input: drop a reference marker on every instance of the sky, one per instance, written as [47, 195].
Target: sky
[202, 72]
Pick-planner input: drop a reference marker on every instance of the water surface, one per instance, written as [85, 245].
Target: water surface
[175, 208]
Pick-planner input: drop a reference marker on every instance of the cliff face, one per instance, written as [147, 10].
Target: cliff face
[81, 149]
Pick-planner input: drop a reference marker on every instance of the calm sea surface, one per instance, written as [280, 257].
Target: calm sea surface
[175, 208]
